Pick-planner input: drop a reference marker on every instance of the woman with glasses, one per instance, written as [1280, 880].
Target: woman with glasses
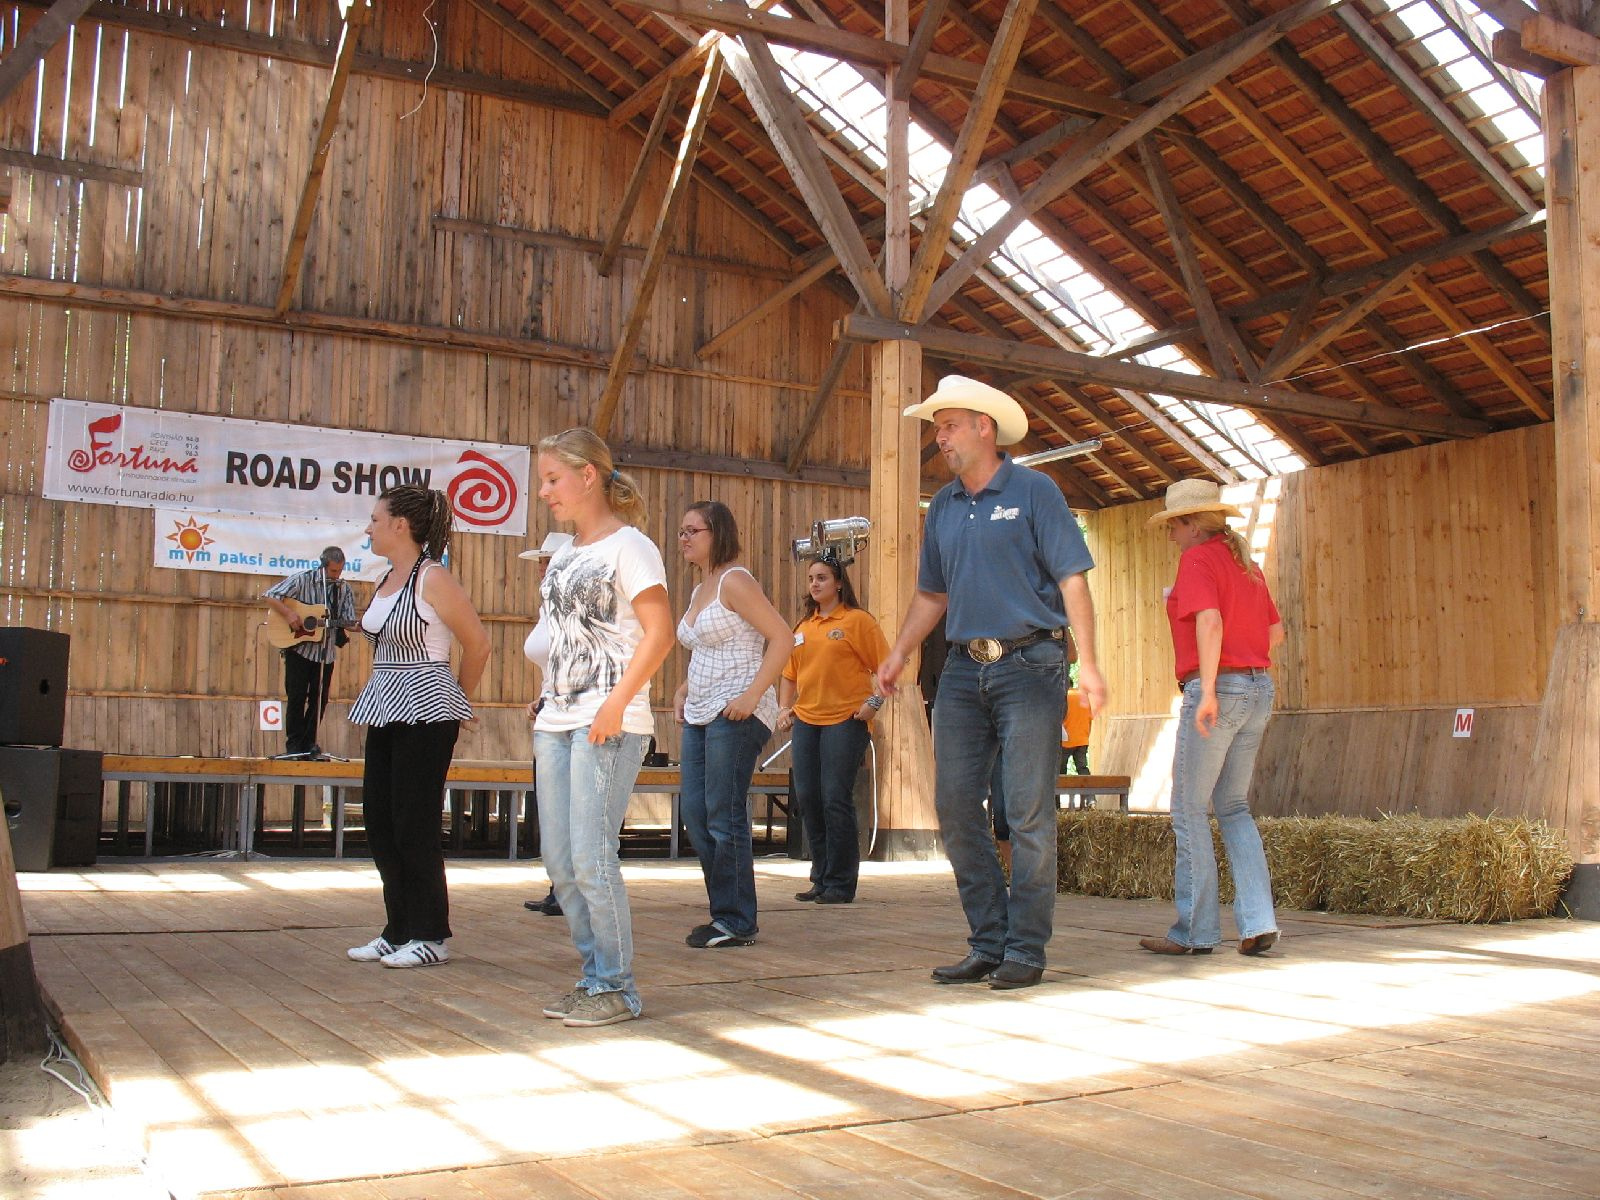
[737, 644]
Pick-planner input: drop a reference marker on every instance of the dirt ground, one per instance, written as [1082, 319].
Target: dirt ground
[53, 1146]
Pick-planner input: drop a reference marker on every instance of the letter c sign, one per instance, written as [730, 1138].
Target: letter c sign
[272, 716]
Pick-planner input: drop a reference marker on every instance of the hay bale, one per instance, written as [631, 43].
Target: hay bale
[1470, 869]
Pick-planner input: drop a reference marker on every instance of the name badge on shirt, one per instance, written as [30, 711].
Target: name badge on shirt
[799, 638]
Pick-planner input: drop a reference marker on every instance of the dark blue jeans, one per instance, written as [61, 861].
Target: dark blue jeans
[1013, 708]
[826, 760]
[717, 761]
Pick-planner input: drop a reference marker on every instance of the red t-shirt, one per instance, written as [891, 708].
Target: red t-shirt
[1208, 577]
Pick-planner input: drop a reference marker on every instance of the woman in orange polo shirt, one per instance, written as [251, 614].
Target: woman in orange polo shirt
[828, 696]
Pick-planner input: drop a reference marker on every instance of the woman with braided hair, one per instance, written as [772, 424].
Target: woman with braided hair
[413, 708]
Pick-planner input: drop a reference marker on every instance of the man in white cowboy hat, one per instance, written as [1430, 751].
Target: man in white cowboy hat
[1004, 562]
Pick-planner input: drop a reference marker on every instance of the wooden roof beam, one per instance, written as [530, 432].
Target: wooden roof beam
[1290, 353]
[997, 68]
[356, 14]
[831, 374]
[1086, 368]
[677, 187]
[641, 169]
[1108, 137]
[752, 64]
[40, 39]
[917, 51]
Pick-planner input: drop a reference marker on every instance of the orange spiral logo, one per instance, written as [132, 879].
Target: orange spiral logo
[483, 492]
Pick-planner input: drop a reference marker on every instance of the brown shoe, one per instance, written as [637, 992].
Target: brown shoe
[1161, 945]
[1260, 944]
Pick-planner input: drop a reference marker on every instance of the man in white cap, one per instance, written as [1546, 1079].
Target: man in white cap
[1004, 562]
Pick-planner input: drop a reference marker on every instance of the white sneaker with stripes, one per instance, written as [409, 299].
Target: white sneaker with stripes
[372, 951]
[417, 954]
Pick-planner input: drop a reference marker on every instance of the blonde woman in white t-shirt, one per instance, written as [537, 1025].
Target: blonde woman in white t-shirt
[605, 602]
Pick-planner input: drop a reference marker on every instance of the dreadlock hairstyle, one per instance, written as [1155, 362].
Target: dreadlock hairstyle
[427, 515]
[579, 448]
[847, 591]
[1212, 523]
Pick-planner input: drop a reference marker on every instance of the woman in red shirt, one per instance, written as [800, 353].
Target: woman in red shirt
[1224, 629]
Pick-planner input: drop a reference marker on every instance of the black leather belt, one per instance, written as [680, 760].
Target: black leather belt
[988, 650]
[1193, 675]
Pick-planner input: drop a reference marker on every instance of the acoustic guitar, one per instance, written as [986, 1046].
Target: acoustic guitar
[313, 616]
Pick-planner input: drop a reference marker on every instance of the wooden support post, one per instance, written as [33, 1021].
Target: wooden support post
[356, 14]
[908, 826]
[22, 1026]
[1565, 788]
[641, 169]
[39, 41]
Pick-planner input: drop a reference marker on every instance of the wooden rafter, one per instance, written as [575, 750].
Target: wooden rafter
[917, 51]
[751, 62]
[1086, 368]
[1108, 137]
[356, 14]
[997, 67]
[656, 253]
[680, 68]
[831, 374]
[40, 39]
[641, 171]
[1287, 355]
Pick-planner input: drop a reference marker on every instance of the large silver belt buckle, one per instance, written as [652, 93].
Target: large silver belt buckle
[985, 650]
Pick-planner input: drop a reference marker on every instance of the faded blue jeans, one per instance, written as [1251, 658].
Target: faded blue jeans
[583, 798]
[1012, 707]
[716, 763]
[1214, 773]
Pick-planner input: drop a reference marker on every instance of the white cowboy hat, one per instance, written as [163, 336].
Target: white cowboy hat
[1190, 496]
[957, 391]
[553, 542]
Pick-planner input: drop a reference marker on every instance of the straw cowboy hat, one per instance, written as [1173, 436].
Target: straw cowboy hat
[1190, 496]
[957, 391]
[553, 543]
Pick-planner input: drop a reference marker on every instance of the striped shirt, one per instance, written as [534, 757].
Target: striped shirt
[409, 686]
[314, 587]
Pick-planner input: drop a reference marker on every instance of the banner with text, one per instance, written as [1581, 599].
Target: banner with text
[276, 546]
[151, 458]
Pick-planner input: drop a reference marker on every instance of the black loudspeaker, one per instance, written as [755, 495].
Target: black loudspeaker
[33, 686]
[52, 805]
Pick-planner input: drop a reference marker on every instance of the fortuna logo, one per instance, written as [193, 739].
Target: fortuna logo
[100, 454]
[1004, 514]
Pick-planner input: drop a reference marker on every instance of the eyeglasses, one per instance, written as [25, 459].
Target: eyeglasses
[689, 531]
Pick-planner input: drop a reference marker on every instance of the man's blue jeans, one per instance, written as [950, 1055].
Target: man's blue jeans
[716, 763]
[1214, 773]
[583, 798]
[1012, 707]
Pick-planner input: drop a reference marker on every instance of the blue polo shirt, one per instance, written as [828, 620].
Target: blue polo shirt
[1000, 555]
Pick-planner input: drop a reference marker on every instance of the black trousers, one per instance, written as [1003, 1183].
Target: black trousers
[403, 798]
[305, 688]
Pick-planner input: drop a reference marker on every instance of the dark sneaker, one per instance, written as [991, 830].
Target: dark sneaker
[810, 894]
[704, 937]
[835, 898]
[606, 1008]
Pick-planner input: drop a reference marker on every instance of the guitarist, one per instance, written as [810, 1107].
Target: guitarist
[308, 666]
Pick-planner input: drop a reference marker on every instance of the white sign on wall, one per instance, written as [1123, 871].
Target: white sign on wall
[201, 541]
[1463, 726]
[152, 458]
[272, 716]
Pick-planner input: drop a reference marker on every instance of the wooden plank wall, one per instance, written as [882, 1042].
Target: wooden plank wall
[169, 662]
[1410, 585]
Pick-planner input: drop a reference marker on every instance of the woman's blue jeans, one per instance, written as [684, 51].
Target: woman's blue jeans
[826, 760]
[583, 798]
[1012, 707]
[1214, 773]
[716, 762]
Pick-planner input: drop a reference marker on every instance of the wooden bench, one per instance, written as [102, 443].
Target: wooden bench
[1078, 791]
[244, 778]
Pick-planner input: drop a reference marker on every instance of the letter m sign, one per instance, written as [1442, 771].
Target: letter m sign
[1463, 727]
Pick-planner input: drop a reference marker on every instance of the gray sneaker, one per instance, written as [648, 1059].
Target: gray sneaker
[557, 1009]
[604, 1008]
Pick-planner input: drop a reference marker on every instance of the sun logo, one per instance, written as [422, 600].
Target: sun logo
[191, 537]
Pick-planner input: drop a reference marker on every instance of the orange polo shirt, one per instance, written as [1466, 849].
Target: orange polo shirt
[832, 664]
[1075, 729]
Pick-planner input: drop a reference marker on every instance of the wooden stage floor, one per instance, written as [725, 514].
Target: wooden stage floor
[213, 1003]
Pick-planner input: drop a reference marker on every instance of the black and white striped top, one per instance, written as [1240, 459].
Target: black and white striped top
[408, 686]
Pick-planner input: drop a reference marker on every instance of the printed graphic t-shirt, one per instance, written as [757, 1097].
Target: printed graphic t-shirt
[588, 605]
